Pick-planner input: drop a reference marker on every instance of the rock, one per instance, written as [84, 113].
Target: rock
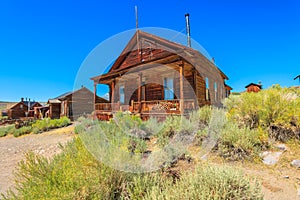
[296, 163]
[281, 147]
[270, 158]
[139, 133]
[286, 177]
[298, 192]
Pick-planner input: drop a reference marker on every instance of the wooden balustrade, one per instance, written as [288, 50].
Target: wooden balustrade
[169, 106]
[163, 105]
[107, 106]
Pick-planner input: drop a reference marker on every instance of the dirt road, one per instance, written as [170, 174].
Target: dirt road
[12, 150]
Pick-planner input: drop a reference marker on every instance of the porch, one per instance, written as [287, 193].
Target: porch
[146, 109]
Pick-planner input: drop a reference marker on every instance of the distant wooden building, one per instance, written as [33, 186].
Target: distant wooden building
[22, 109]
[252, 87]
[154, 75]
[73, 104]
[227, 90]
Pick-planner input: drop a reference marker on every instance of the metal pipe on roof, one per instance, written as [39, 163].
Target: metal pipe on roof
[188, 31]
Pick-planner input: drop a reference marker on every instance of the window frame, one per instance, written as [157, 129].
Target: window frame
[207, 95]
[122, 94]
[168, 85]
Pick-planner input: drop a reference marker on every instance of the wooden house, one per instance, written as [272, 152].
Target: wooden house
[252, 87]
[73, 104]
[22, 109]
[155, 76]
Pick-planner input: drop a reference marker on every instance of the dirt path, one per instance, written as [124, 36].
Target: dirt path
[277, 183]
[12, 150]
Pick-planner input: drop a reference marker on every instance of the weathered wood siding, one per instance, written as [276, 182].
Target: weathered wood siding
[17, 111]
[253, 88]
[54, 110]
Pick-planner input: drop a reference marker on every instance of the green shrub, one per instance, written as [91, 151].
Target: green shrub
[276, 110]
[207, 183]
[79, 129]
[75, 174]
[241, 143]
[41, 125]
[202, 116]
[47, 124]
[22, 131]
[63, 121]
[6, 130]
[170, 127]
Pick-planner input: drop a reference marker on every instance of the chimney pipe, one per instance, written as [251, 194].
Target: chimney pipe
[188, 31]
[28, 105]
[22, 99]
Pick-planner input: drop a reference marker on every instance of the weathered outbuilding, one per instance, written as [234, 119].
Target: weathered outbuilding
[22, 109]
[253, 87]
[73, 104]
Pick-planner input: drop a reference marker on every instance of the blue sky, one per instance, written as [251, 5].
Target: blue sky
[44, 43]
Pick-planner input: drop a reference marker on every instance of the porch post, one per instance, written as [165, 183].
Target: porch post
[181, 87]
[139, 91]
[112, 92]
[95, 94]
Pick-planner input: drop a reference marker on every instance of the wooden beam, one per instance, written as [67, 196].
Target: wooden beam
[112, 91]
[140, 90]
[181, 70]
[195, 81]
[95, 94]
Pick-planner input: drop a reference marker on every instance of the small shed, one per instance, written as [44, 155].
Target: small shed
[227, 90]
[55, 106]
[22, 109]
[73, 104]
[253, 87]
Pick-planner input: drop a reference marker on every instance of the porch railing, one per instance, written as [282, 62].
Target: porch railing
[170, 106]
[107, 106]
[163, 105]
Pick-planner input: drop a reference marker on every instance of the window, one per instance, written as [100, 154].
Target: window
[62, 107]
[227, 93]
[122, 94]
[21, 106]
[207, 89]
[221, 92]
[216, 91]
[168, 88]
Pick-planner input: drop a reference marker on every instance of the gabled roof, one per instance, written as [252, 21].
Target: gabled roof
[57, 99]
[228, 87]
[25, 103]
[32, 103]
[68, 94]
[186, 53]
[16, 104]
[258, 85]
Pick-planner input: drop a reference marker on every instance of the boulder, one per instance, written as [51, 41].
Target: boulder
[296, 163]
[281, 147]
[270, 158]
